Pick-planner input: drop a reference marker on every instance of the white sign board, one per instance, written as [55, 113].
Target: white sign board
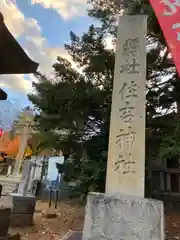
[52, 167]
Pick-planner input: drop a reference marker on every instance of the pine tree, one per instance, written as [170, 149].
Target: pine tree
[75, 106]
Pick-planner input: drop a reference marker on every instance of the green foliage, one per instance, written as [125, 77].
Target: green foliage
[170, 145]
[74, 108]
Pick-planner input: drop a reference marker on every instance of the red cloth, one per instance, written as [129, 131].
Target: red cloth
[168, 15]
[1, 132]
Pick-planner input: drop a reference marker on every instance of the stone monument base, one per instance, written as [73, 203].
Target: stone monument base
[23, 208]
[123, 217]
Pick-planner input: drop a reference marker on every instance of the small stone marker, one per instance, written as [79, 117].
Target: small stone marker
[25, 179]
[126, 155]
[110, 217]
[23, 208]
[23, 204]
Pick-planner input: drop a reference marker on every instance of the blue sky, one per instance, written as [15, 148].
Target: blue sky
[41, 27]
[53, 26]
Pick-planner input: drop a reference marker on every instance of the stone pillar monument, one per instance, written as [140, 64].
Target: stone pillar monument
[122, 212]
[126, 155]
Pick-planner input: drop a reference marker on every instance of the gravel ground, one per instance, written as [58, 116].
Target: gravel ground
[52, 224]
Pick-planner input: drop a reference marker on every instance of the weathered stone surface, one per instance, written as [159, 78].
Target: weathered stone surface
[21, 220]
[110, 217]
[23, 208]
[126, 154]
[6, 201]
[23, 205]
[25, 179]
[4, 221]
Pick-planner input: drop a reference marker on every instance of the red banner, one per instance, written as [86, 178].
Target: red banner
[1, 132]
[168, 15]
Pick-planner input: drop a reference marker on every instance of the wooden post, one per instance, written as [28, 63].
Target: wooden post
[168, 181]
[1, 187]
[50, 197]
[162, 181]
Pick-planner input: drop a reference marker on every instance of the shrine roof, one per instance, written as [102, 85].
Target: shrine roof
[13, 59]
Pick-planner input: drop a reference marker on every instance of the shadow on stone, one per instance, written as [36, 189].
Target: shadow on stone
[74, 235]
[14, 237]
